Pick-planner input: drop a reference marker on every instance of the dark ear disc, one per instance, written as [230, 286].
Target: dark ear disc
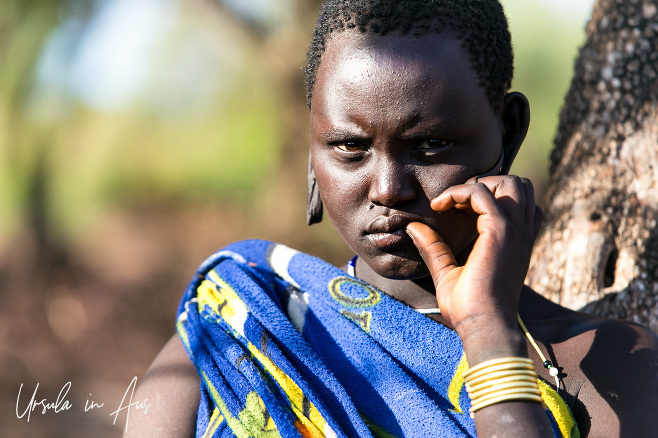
[498, 168]
[314, 207]
[516, 118]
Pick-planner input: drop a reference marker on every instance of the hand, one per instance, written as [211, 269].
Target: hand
[486, 289]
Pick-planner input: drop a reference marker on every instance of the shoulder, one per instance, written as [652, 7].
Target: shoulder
[610, 370]
[619, 367]
[590, 334]
[602, 346]
[170, 388]
[253, 252]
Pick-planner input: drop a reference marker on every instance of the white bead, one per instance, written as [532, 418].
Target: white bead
[553, 371]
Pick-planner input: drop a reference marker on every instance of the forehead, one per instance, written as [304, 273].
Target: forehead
[393, 50]
[414, 74]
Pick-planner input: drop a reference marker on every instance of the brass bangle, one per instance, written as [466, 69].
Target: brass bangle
[507, 392]
[481, 393]
[476, 373]
[497, 376]
[500, 380]
[505, 398]
[502, 360]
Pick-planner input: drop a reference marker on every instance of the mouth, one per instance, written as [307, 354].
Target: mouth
[387, 240]
[388, 231]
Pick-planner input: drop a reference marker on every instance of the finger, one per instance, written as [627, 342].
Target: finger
[509, 192]
[476, 197]
[512, 194]
[435, 252]
[530, 207]
[539, 215]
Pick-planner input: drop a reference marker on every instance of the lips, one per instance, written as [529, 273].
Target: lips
[388, 231]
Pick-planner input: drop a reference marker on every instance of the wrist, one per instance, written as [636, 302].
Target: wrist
[491, 338]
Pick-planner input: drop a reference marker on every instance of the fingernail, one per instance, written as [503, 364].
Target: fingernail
[409, 233]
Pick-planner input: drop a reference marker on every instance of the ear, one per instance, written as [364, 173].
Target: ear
[516, 119]
[314, 207]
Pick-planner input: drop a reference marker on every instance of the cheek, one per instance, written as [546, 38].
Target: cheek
[343, 193]
[435, 181]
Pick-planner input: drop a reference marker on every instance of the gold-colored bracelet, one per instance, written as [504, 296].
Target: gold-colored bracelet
[504, 398]
[504, 362]
[479, 378]
[500, 380]
[495, 389]
[502, 377]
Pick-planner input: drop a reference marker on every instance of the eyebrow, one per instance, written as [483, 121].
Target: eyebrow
[340, 134]
[355, 130]
[413, 127]
[411, 123]
[427, 130]
[418, 126]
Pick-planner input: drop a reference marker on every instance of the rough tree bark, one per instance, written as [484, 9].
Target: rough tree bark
[598, 250]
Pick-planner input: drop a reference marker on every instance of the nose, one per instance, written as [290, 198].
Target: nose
[391, 182]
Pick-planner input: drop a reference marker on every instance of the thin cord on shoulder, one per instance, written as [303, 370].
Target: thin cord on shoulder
[553, 371]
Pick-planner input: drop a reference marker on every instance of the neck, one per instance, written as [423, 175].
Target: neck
[418, 294]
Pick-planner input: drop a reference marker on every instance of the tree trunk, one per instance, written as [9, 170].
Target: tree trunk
[598, 250]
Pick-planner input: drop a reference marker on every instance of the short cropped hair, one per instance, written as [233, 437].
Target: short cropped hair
[481, 25]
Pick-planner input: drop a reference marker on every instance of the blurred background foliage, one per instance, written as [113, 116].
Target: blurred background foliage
[138, 136]
[112, 103]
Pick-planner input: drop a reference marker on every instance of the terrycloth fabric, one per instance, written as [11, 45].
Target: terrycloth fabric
[288, 345]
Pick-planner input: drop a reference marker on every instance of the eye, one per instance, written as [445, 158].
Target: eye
[350, 146]
[434, 144]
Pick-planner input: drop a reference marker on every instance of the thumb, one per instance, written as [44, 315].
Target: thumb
[435, 253]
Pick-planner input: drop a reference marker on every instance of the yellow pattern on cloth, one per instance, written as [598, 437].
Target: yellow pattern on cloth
[232, 309]
[234, 312]
[560, 410]
[255, 415]
[216, 419]
[457, 383]
[311, 426]
[251, 422]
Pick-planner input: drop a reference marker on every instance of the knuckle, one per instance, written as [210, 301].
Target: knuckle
[480, 187]
[511, 186]
[515, 179]
[525, 181]
[512, 182]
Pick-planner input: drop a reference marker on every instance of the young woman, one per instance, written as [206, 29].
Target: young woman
[429, 330]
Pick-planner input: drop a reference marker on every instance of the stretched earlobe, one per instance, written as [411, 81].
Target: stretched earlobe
[516, 119]
[314, 208]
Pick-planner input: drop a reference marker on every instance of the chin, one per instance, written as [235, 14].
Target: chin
[399, 268]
